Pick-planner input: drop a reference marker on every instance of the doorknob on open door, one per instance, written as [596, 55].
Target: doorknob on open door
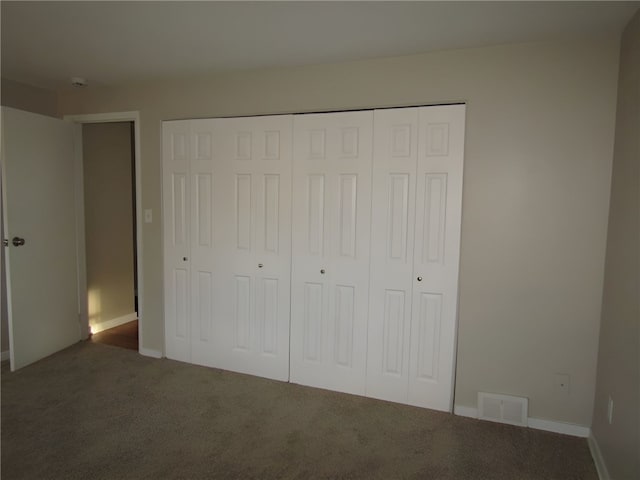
[17, 241]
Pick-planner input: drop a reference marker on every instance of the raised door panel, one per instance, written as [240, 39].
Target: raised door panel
[393, 341]
[331, 210]
[242, 313]
[178, 210]
[347, 214]
[203, 306]
[203, 214]
[271, 214]
[428, 318]
[267, 313]
[314, 235]
[242, 210]
[437, 253]
[392, 233]
[343, 320]
[313, 331]
[176, 206]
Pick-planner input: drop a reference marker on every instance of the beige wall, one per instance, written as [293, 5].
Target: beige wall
[619, 360]
[540, 124]
[108, 204]
[28, 98]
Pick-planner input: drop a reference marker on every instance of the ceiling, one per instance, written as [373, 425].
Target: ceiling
[114, 43]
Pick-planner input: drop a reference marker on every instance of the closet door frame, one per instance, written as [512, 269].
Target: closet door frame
[434, 142]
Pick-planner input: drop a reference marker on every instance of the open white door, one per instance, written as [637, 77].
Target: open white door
[38, 163]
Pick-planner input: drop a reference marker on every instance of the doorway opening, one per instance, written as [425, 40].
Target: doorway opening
[110, 235]
[110, 231]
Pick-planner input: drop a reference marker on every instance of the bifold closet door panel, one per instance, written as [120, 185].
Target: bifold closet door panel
[176, 214]
[330, 270]
[436, 256]
[205, 279]
[395, 157]
[253, 218]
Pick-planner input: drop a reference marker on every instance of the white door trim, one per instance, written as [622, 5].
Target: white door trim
[133, 116]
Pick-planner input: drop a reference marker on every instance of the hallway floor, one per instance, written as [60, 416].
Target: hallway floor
[124, 336]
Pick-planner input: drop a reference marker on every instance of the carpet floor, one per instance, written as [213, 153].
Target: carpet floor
[95, 411]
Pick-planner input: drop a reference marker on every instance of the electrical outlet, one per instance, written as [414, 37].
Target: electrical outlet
[561, 382]
[148, 216]
[610, 410]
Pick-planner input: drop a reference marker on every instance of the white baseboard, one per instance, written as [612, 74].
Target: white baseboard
[559, 427]
[598, 459]
[4, 356]
[147, 352]
[463, 411]
[537, 423]
[114, 322]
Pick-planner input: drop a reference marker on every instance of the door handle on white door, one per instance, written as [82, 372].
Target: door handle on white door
[419, 279]
[17, 241]
[260, 265]
[322, 271]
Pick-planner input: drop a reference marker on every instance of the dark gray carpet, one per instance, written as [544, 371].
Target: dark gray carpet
[100, 412]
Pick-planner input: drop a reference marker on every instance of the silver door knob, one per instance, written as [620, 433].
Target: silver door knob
[17, 241]
[419, 279]
[184, 259]
[322, 271]
[260, 265]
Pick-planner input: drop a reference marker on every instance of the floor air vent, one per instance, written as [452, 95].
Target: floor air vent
[503, 408]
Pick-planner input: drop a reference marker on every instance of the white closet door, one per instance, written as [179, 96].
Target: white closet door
[204, 166]
[415, 247]
[176, 214]
[436, 256]
[330, 271]
[253, 213]
[392, 235]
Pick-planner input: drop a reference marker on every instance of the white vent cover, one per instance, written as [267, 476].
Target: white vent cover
[503, 408]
